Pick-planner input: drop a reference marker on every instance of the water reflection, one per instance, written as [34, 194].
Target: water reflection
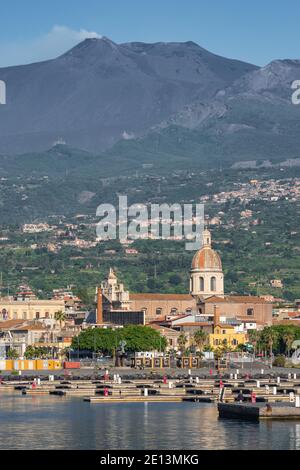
[47, 422]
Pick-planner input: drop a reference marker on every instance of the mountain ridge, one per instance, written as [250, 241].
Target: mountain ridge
[97, 91]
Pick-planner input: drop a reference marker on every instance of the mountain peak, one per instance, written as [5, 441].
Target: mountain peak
[100, 90]
[89, 45]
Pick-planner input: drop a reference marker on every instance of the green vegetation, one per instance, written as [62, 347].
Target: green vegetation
[200, 339]
[279, 361]
[276, 339]
[107, 341]
[182, 340]
[12, 354]
[60, 317]
[35, 352]
[254, 250]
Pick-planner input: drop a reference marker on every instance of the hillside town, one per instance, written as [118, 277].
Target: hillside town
[225, 321]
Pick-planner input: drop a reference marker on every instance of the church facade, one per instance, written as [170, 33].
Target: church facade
[205, 293]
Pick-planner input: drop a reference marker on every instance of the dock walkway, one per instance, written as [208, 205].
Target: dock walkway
[256, 411]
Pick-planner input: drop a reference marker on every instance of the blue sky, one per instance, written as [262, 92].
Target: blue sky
[254, 31]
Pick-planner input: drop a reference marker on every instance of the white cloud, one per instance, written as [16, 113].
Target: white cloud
[48, 46]
[128, 135]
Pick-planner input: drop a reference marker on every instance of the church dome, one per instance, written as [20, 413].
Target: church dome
[206, 257]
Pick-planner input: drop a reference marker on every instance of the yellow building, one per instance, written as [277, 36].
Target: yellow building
[29, 309]
[225, 335]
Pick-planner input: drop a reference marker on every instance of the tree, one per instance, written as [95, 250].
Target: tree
[143, 338]
[254, 337]
[85, 296]
[182, 340]
[137, 338]
[175, 279]
[12, 354]
[36, 352]
[270, 336]
[241, 348]
[200, 338]
[60, 316]
[288, 339]
[30, 352]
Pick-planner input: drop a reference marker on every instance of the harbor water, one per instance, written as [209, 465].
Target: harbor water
[46, 422]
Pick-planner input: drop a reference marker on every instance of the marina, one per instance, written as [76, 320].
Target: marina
[235, 389]
[64, 422]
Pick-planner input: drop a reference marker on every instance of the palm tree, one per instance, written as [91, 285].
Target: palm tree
[200, 338]
[288, 339]
[254, 338]
[270, 336]
[60, 316]
[182, 340]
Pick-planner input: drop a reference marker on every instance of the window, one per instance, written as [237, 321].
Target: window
[158, 311]
[216, 342]
[24, 316]
[213, 284]
[173, 311]
[47, 315]
[4, 314]
[224, 332]
[15, 315]
[250, 312]
[201, 284]
[37, 315]
[234, 342]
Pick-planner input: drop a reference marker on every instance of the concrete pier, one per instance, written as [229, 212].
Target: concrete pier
[256, 411]
[134, 399]
[204, 389]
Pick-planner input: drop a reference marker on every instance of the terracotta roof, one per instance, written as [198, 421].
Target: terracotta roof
[163, 328]
[194, 324]
[150, 296]
[34, 327]
[238, 299]
[226, 326]
[286, 322]
[10, 323]
[294, 314]
[207, 258]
